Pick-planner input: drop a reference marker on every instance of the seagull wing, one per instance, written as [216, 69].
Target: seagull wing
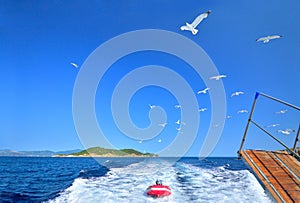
[275, 37]
[264, 39]
[199, 18]
[184, 27]
[74, 64]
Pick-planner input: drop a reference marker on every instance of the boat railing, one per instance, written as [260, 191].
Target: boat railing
[251, 121]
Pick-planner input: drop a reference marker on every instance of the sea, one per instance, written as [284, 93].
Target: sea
[88, 180]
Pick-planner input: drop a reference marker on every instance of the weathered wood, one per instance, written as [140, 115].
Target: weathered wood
[278, 171]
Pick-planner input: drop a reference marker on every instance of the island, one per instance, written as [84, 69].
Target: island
[103, 152]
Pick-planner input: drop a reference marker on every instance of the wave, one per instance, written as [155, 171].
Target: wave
[189, 183]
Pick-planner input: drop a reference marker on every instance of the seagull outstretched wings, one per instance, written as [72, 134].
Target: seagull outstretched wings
[268, 38]
[192, 27]
[217, 77]
[74, 64]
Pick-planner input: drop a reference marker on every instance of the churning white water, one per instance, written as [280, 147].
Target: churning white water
[189, 183]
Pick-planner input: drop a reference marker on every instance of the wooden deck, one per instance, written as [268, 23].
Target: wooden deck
[278, 171]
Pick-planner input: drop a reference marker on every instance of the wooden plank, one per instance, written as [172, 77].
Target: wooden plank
[263, 180]
[275, 174]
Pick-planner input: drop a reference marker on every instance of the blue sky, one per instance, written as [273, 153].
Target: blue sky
[39, 39]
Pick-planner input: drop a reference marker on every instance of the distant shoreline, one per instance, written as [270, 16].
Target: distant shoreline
[103, 156]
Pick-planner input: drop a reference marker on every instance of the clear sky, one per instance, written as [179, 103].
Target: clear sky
[39, 40]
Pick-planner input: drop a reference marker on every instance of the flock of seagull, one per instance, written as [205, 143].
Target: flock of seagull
[192, 28]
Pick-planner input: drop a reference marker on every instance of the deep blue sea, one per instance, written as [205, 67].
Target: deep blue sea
[32, 179]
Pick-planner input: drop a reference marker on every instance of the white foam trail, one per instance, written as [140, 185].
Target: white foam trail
[188, 183]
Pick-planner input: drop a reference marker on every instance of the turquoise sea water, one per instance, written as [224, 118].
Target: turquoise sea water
[34, 179]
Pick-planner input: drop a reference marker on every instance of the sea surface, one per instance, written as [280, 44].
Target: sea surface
[32, 179]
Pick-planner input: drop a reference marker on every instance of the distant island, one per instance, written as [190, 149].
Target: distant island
[102, 152]
[90, 152]
[40, 153]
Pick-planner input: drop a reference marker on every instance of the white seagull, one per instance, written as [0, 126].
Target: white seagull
[162, 124]
[192, 27]
[202, 110]
[74, 64]
[203, 91]
[272, 125]
[268, 38]
[242, 111]
[178, 122]
[178, 129]
[228, 117]
[286, 132]
[152, 106]
[159, 140]
[237, 94]
[217, 77]
[281, 111]
[177, 106]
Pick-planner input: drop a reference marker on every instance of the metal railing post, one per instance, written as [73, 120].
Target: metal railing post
[248, 123]
[297, 139]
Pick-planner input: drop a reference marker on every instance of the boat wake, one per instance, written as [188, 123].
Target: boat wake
[189, 183]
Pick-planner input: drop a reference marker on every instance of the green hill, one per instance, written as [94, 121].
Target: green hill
[99, 151]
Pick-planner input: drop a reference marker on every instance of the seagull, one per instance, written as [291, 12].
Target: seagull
[195, 23]
[162, 124]
[178, 122]
[268, 38]
[178, 129]
[203, 91]
[152, 106]
[236, 94]
[202, 110]
[286, 132]
[242, 111]
[281, 111]
[228, 117]
[159, 140]
[141, 141]
[177, 106]
[272, 125]
[217, 77]
[74, 64]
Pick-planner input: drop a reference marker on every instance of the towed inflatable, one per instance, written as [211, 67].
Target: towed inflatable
[158, 190]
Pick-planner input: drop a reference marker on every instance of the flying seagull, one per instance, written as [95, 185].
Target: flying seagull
[162, 124]
[195, 23]
[202, 110]
[178, 122]
[281, 111]
[159, 140]
[203, 91]
[152, 106]
[236, 94]
[217, 77]
[228, 117]
[242, 111]
[74, 64]
[286, 132]
[177, 106]
[272, 125]
[268, 38]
